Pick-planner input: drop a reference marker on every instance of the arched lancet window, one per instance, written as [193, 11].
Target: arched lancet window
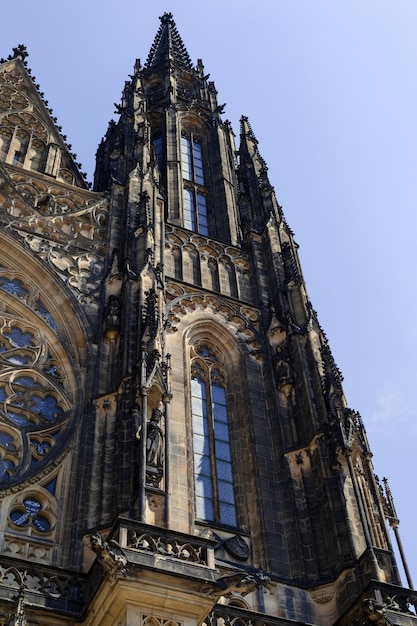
[196, 269]
[213, 471]
[158, 142]
[177, 257]
[231, 276]
[214, 273]
[194, 192]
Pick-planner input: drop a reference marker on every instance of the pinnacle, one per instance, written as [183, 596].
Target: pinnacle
[247, 137]
[246, 129]
[168, 45]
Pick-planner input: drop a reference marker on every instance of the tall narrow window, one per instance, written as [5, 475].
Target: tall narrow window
[194, 194]
[158, 142]
[213, 472]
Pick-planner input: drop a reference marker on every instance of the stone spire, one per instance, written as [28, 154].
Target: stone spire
[257, 199]
[168, 46]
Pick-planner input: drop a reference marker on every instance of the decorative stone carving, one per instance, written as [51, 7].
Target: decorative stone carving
[155, 501]
[372, 613]
[19, 52]
[237, 547]
[230, 265]
[41, 581]
[231, 615]
[241, 321]
[283, 370]
[36, 401]
[276, 331]
[154, 449]
[150, 327]
[153, 620]
[110, 555]
[112, 317]
[323, 595]
[241, 582]
[300, 460]
[167, 545]
[60, 226]
[207, 533]
[19, 616]
[106, 406]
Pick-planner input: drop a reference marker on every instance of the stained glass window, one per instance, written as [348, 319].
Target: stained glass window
[30, 514]
[213, 471]
[158, 142]
[194, 194]
[35, 407]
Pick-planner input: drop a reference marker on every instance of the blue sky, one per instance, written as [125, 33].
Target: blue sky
[329, 88]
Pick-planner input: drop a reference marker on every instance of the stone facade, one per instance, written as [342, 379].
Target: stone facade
[175, 444]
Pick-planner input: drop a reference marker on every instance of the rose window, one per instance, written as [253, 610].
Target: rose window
[35, 398]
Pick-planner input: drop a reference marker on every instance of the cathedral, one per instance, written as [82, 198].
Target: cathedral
[175, 445]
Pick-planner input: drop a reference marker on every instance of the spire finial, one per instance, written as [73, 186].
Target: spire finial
[19, 51]
[168, 45]
[166, 17]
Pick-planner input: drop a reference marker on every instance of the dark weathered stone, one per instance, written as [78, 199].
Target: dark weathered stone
[178, 271]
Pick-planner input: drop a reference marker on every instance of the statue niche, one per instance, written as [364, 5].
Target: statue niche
[154, 448]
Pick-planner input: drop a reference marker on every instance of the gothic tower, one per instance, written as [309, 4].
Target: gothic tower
[175, 444]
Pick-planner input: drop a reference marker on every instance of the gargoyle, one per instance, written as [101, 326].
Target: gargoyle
[110, 555]
[373, 613]
[243, 583]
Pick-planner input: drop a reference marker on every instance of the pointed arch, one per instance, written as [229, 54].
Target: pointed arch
[177, 258]
[201, 317]
[191, 264]
[213, 359]
[230, 275]
[214, 274]
[213, 471]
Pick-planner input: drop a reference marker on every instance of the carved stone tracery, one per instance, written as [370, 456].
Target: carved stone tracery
[173, 547]
[42, 582]
[243, 320]
[36, 383]
[228, 266]
[65, 227]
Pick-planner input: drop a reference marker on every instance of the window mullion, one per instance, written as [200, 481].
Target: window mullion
[196, 229]
[212, 445]
[192, 158]
[191, 146]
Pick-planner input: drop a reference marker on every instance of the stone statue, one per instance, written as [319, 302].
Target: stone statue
[154, 441]
[154, 446]
[112, 316]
